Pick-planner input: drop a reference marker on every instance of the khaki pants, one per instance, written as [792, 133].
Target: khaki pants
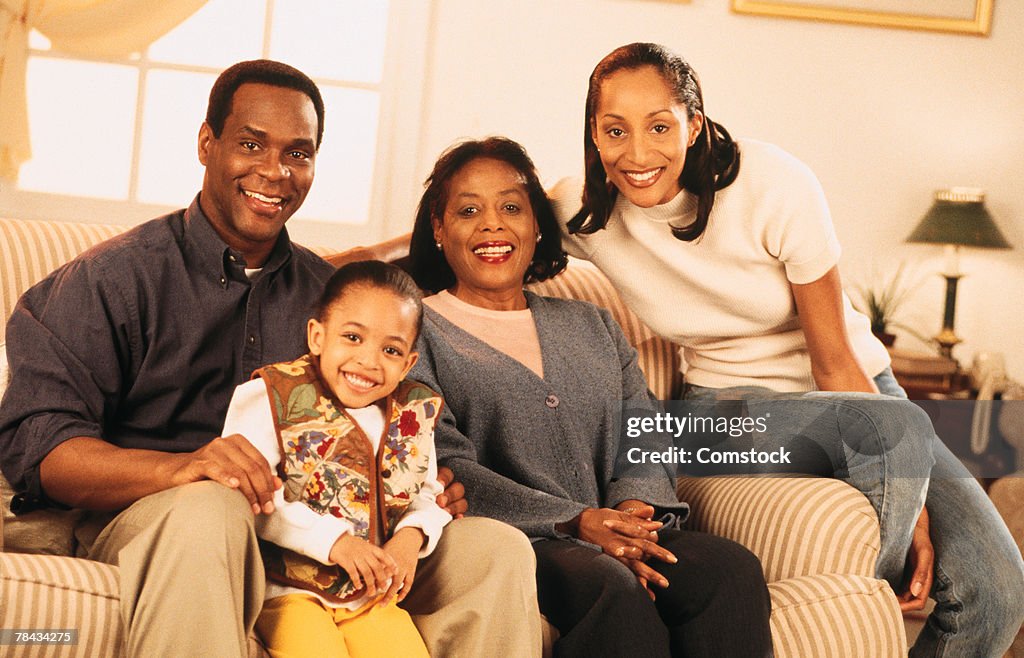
[188, 560]
[476, 594]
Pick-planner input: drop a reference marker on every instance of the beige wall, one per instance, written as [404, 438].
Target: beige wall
[883, 116]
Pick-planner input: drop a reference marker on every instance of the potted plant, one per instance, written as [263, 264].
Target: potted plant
[881, 300]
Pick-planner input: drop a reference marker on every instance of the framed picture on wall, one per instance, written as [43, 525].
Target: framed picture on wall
[962, 16]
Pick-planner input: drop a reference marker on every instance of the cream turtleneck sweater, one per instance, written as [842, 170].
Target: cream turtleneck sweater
[726, 297]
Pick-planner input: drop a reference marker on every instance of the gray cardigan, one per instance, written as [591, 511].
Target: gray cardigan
[534, 452]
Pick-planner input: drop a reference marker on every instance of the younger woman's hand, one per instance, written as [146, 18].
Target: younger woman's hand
[404, 548]
[922, 563]
[364, 563]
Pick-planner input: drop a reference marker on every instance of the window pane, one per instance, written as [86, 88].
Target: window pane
[175, 106]
[82, 127]
[345, 164]
[337, 39]
[218, 35]
[37, 40]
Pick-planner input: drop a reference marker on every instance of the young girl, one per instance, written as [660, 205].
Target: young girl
[352, 441]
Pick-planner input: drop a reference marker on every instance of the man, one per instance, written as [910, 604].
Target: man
[123, 363]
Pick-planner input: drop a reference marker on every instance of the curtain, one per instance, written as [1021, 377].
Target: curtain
[109, 28]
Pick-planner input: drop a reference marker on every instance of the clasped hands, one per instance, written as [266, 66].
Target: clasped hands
[628, 533]
[374, 566]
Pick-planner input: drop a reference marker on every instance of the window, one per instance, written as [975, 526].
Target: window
[117, 138]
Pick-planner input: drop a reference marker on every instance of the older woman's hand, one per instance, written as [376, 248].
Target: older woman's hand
[622, 535]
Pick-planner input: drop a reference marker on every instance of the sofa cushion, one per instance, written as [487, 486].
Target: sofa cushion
[47, 592]
[797, 526]
[834, 616]
[47, 531]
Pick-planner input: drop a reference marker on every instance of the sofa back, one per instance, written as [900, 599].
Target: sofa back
[31, 250]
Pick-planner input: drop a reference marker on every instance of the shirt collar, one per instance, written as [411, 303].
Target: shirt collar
[211, 254]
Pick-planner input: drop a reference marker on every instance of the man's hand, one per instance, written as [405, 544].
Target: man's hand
[404, 549]
[453, 499]
[922, 561]
[366, 564]
[235, 463]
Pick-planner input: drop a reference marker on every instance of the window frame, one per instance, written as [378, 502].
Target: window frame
[395, 188]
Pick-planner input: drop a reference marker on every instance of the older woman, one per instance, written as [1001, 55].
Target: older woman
[534, 387]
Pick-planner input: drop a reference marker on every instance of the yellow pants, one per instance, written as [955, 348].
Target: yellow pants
[298, 626]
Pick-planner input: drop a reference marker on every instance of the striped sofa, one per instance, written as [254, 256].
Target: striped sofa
[817, 538]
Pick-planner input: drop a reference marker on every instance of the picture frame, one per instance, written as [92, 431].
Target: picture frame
[972, 17]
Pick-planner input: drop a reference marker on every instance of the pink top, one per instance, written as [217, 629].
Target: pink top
[510, 332]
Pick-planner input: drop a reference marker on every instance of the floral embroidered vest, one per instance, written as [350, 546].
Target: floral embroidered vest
[328, 463]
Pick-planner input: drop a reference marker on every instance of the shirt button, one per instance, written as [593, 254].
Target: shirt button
[252, 340]
[551, 401]
[386, 473]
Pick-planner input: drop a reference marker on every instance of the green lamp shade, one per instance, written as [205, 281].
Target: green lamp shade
[958, 216]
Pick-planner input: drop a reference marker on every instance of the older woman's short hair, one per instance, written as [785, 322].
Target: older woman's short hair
[428, 265]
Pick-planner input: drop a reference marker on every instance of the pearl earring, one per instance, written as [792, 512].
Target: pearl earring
[439, 247]
[538, 237]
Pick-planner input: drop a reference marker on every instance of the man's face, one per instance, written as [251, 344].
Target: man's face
[260, 169]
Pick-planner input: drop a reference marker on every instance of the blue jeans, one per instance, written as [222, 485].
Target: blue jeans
[887, 449]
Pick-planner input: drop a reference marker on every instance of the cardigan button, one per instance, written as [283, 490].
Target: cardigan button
[551, 401]
[386, 473]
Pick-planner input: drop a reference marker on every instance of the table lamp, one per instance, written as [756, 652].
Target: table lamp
[957, 218]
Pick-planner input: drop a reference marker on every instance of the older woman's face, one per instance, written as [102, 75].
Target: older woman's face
[642, 134]
[488, 234]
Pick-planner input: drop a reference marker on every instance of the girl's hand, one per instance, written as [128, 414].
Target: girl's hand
[404, 549]
[364, 563]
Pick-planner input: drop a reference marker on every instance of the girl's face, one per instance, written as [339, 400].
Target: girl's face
[365, 344]
[488, 234]
[642, 134]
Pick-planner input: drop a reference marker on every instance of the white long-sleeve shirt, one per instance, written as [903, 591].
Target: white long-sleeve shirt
[295, 526]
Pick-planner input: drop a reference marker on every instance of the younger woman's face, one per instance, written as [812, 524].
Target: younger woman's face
[642, 134]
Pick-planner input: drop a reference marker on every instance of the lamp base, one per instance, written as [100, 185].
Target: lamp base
[947, 340]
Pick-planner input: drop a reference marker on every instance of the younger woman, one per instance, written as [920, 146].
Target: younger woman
[727, 248]
[352, 440]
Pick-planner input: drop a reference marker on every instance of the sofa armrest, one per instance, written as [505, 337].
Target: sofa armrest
[797, 526]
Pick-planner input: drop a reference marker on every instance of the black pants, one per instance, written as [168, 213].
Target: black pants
[716, 604]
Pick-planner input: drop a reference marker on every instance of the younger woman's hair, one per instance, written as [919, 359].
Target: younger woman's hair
[711, 163]
[428, 265]
[372, 274]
